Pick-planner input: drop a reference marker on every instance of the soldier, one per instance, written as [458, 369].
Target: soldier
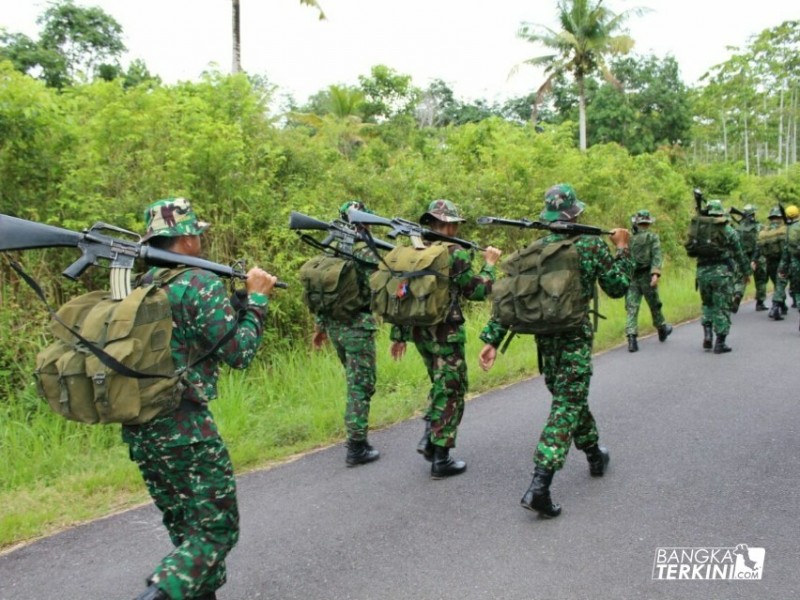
[715, 280]
[788, 268]
[566, 358]
[770, 246]
[748, 229]
[645, 247]
[181, 456]
[442, 346]
[354, 342]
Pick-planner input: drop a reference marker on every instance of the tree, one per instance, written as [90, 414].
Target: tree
[75, 42]
[587, 36]
[237, 32]
[387, 94]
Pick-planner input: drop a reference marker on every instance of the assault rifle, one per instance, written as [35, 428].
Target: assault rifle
[552, 226]
[415, 231]
[340, 231]
[698, 202]
[99, 249]
[786, 220]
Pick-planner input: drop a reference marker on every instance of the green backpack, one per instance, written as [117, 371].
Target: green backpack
[331, 287]
[135, 332]
[706, 237]
[642, 249]
[771, 240]
[542, 292]
[412, 286]
[748, 234]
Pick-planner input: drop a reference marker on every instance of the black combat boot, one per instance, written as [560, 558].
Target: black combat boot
[784, 308]
[737, 300]
[664, 331]
[598, 458]
[633, 345]
[152, 593]
[208, 596]
[443, 465]
[719, 346]
[775, 312]
[425, 446]
[760, 305]
[360, 453]
[538, 495]
[708, 337]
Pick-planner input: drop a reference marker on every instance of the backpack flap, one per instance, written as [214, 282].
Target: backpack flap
[330, 287]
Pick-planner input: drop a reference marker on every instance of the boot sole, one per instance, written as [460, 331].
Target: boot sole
[542, 514]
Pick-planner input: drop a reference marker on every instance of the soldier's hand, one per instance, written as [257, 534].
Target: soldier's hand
[620, 237]
[654, 280]
[491, 255]
[318, 339]
[397, 350]
[259, 281]
[487, 356]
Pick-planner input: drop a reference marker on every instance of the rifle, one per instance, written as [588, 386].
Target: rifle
[415, 231]
[735, 212]
[339, 230]
[698, 201]
[786, 220]
[102, 250]
[554, 226]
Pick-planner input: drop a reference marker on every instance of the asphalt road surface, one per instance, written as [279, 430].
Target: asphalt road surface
[704, 455]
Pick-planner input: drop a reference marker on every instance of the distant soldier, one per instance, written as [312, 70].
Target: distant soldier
[748, 229]
[771, 240]
[721, 262]
[645, 249]
[788, 268]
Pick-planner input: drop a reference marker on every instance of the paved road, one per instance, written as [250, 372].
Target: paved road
[704, 454]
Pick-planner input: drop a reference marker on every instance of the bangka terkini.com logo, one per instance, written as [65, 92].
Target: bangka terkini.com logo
[739, 563]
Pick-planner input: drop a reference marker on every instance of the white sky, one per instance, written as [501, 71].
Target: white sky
[470, 44]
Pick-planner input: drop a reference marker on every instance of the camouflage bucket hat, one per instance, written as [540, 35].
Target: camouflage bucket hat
[749, 209]
[561, 204]
[644, 216]
[172, 217]
[442, 210]
[714, 208]
[775, 212]
[357, 204]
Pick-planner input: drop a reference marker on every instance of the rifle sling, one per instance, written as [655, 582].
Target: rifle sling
[102, 355]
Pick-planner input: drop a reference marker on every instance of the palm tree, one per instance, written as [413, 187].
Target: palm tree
[589, 32]
[237, 34]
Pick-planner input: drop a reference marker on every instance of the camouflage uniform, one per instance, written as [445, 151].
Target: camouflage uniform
[182, 458]
[566, 359]
[715, 279]
[788, 270]
[645, 249]
[767, 266]
[748, 229]
[354, 342]
[442, 348]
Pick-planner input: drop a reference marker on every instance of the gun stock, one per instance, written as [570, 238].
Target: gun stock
[407, 228]
[300, 221]
[20, 234]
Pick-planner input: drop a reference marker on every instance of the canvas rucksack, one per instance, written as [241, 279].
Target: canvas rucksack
[642, 249]
[706, 237]
[412, 285]
[793, 239]
[542, 292]
[748, 234]
[771, 240]
[135, 332]
[331, 287]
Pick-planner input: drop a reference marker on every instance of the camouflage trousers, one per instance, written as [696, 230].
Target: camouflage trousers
[792, 279]
[715, 283]
[566, 363]
[640, 288]
[194, 488]
[766, 270]
[447, 370]
[355, 347]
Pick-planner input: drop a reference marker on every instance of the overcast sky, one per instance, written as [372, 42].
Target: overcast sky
[470, 44]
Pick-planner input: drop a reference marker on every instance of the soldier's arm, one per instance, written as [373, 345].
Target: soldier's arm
[493, 333]
[742, 262]
[657, 260]
[471, 285]
[612, 272]
[214, 317]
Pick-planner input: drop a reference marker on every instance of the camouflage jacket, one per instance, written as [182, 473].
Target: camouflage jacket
[613, 273]
[366, 265]
[464, 283]
[733, 255]
[202, 314]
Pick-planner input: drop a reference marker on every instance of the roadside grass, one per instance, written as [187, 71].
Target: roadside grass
[58, 474]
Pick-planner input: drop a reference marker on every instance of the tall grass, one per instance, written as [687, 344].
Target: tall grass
[57, 473]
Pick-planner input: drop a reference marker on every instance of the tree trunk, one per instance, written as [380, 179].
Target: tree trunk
[237, 39]
[582, 112]
[746, 146]
[780, 126]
